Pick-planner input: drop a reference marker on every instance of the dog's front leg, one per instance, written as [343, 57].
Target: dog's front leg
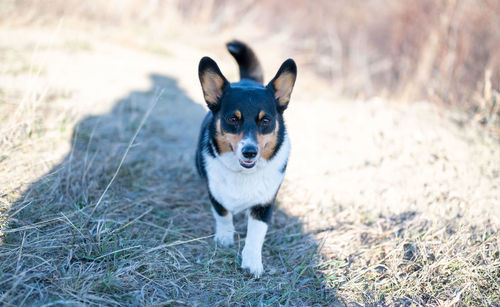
[258, 218]
[224, 228]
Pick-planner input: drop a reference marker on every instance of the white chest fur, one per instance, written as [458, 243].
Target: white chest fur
[237, 188]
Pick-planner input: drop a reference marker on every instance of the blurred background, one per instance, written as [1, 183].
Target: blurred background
[444, 51]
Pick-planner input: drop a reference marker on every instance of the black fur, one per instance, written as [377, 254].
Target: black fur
[217, 206]
[262, 212]
[247, 61]
[248, 96]
[202, 143]
[288, 67]
[249, 99]
[246, 121]
[208, 66]
[283, 169]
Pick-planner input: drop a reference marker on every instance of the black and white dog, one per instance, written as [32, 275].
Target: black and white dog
[243, 146]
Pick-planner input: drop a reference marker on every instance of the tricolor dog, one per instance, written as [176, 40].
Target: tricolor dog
[243, 146]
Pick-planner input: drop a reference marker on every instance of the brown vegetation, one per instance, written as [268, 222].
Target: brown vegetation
[384, 203]
[440, 50]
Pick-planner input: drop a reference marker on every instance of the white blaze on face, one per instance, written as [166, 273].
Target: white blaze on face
[246, 141]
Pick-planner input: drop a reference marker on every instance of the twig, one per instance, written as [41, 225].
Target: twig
[176, 243]
[132, 140]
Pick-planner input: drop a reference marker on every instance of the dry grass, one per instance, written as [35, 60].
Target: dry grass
[383, 204]
[405, 202]
[67, 239]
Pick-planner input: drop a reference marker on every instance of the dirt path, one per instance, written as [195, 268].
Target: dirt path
[387, 158]
[382, 187]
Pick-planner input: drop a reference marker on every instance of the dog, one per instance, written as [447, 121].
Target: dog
[243, 146]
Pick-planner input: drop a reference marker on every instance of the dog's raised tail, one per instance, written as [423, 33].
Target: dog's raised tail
[247, 61]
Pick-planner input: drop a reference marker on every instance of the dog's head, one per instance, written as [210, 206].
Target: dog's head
[247, 115]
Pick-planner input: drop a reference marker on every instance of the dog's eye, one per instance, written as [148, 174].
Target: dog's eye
[233, 120]
[265, 121]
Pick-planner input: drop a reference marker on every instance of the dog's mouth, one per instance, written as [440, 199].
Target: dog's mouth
[247, 163]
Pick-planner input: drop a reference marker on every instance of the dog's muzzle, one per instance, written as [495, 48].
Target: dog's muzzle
[249, 154]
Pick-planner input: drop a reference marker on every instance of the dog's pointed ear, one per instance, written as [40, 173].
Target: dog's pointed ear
[212, 81]
[282, 84]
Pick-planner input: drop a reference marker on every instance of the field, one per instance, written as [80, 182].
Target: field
[386, 201]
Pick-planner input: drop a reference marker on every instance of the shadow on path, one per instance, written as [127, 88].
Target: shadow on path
[149, 239]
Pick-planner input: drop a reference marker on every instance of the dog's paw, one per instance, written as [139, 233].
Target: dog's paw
[224, 238]
[252, 262]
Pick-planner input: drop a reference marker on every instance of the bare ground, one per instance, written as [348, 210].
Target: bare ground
[385, 203]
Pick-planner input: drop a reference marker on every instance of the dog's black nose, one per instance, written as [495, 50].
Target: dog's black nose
[249, 151]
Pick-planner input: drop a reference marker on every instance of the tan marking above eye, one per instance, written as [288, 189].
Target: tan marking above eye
[237, 113]
[261, 115]
[226, 142]
[267, 142]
